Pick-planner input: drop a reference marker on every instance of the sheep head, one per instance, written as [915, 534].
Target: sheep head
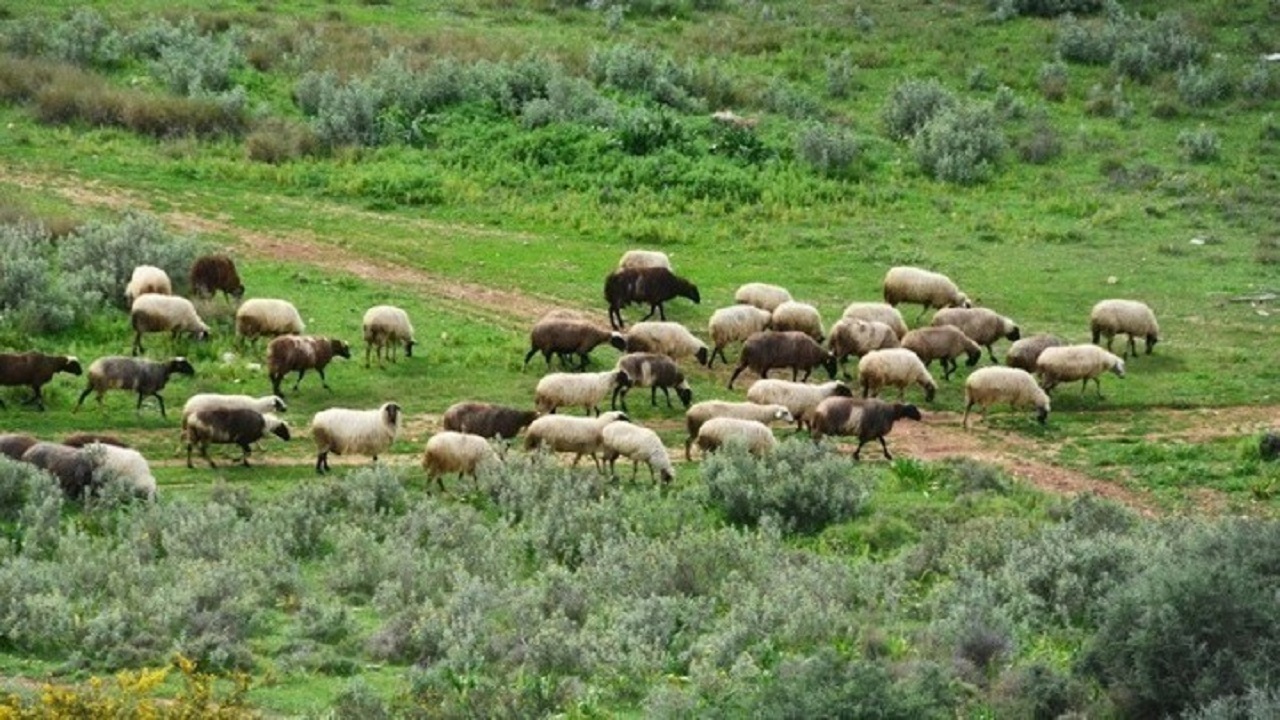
[906, 410]
[1152, 339]
[391, 412]
[71, 365]
[340, 348]
[180, 365]
[408, 347]
[703, 355]
[685, 393]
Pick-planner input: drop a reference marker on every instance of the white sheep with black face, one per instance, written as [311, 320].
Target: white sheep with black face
[387, 327]
[1077, 362]
[895, 367]
[578, 435]
[991, 385]
[638, 444]
[153, 313]
[1124, 317]
[354, 432]
[456, 452]
[585, 390]
[925, 287]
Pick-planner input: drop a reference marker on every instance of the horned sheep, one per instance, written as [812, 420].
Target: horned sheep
[770, 349]
[145, 377]
[215, 273]
[733, 324]
[387, 327]
[799, 398]
[229, 426]
[695, 417]
[798, 316]
[35, 370]
[853, 336]
[455, 452]
[164, 313]
[895, 367]
[877, 312]
[1076, 362]
[762, 295]
[716, 432]
[638, 444]
[668, 338]
[581, 436]
[342, 431]
[300, 353]
[982, 325]
[1129, 317]
[147, 279]
[915, 285]
[267, 317]
[944, 343]
[569, 389]
[1024, 353]
[565, 335]
[1016, 386]
[644, 259]
[486, 419]
[867, 419]
[654, 371]
[652, 286]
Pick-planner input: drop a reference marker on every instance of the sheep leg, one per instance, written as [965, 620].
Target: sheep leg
[275, 385]
[652, 309]
[1098, 383]
[948, 367]
[323, 383]
[734, 376]
[322, 462]
[619, 395]
[300, 374]
[244, 459]
[885, 447]
[204, 453]
[857, 453]
[368, 349]
[528, 356]
[615, 318]
[719, 350]
[1133, 348]
[137, 342]
[967, 407]
[992, 354]
[159, 399]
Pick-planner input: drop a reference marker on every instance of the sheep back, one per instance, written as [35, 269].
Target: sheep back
[13, 445]
[343, 431]
[147, 279]
[701, 412]
[800, 317]
[1076, 362]
[71, 466]
[791, 349]
[455, 452]
[644, 259]
[486, 419]
[267, 317]
[718, 431]
[733, 324]
[668, 338]
[761, 295]
[638, 444]
[854, 336]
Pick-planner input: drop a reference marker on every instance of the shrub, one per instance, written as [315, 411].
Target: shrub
[189, 63]
[99, 258]
[1043, 8]
[1053, 81]
[1107, 102]
[1200, 145]
[786, 99]
[961, 145]
[86, 38]
[1199, 87]
[644, 72]
[32, 297]
[569, 99]
[277, 140]
[912, 103]
[842, 78]
[1038, 691]
[1007, 105]
[829, 150]
[1042, 144]
[1258, 702]
[980, 78]
[1088, 43]
[1260, 84]
[641, 131]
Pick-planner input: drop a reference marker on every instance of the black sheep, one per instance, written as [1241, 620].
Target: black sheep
[73, 467]
[211, 273]
[34, 370]
[867, 419]
[769, 349]
[653, 286]
[486, 419]
[654, 371]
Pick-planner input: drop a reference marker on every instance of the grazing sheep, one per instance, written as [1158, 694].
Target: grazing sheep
[944, 343]
[653, 371]
[983, 326]
[213, 273]
[1076, 362]
[762, 295]
[867, 419]
[799, 398]
[72, 467]
[639, 444]
[654, 286]
[853, 336]
[877, 312]
[581, 436]
[79, 440]
[669, 338]
[895, 367]
[12, 445]
[644, 259]
[586, 389]
[34, 370]
[354, 432]
[486, 419]
[733, 324]
[1130, 317]
[700, 413]
[289, 353]
[385, 327]
[209, 401]
[147, 279]
[564, 336]
[145, 377]
[800, 317]
[930, 289]
[1023, 353]
[715, 432]
[455, 452]
[127, 464]
[1016, 386]
[164, 313]
[229, 426]
[267, 317]
[770, 349]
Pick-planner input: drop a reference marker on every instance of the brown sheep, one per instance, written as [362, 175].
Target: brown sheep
[867, 419]
[34, 370]
[79, 440]
[229, 426]
[73, 467]
[944, 343]
[12, 445]
[1024, 353]
[983, 326]
[769, 349]
[213, 273]
[288, 353]
[145, 377]
[654, 286]
[487, 420]
[565, 337]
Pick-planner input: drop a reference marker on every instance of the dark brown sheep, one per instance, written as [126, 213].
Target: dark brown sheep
[565, 337]
[79, 440]
[213, 273]
[34, 370]
[867, 419]
[654, 285]
[229, 426]
[1024, 353]
[654, 371]
[72, 467]
[766, 350]
[487, 420]
[12, 445]
[146, 377]
[289, 353]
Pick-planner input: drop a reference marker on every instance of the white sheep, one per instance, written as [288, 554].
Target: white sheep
[733, 324]
[1129, 317]
[669, 338]
[877, 312]
[644, 259]
[895, 367]
[386, 326]
[700, 413]
[211, 401]
[164, 313]
[1076, 362]
[761, 295]
[267, 317]
[757, 436]
[639, 444]
[354, 432]
[147, 279]
[986, 386]
[981, 325]
[915, 285]
[124, 463]
[586, 389]
[581, 436]
[797, 397]
[800, 317]
[854, 336]
[456, 452]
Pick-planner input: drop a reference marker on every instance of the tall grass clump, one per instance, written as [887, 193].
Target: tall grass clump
[1053, 80]
[1201, 145]
[960, 145]
[912, 104]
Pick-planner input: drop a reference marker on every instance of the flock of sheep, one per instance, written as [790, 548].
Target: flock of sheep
[774, 331]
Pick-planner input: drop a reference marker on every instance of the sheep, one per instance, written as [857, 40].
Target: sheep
[669, 338]
[565, 336]
[733, 324]
[877, 312]
[802, 317]
[146, 377]
[1015, 386]
[127, 464]
[164, 313]
[34, 370]
[769, 349]
[640, 444]
[386, 326]
[12, 445]
[587, 390]
[930, 289]
[1076, 362]
[455, 452]
[288, 353]
[757, 436]
[654, 286]
[896, 367]
[983, 326]
[212, 273]
[79, 440]
[354, 432]
[700, 413]
[486, 419]
[799, 398]
[147, 279]
[868, 420]
[582, 436]
[72, 467]
[761, 295]
[1023, 353]
[1130, 317]
[209, 401]
[229, 426]
[853, 336]
[945, 343]
[644, 259]
[266, 317]
[653, 371]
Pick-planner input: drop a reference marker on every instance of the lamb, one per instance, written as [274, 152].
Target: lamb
[267, 317]
[762, 295]
[165, 313]
[877, 312]
[1076, 362]
[147, 279]
[565, 336]
[716, 432]
[653, 371]
[587, 390]
[895, 367]
[79, 440]
[127, 464]
[669, 338]
[868, 420]
[930, 289]
[853, 336]
[644, 259]
[289, 353]
[1016, 386]
[145, 377]
[696, 416]
[229, 426]
[944, 343]
[213, 273]
[385, 327]
[733, 324]
[1130, 317]
[654, 286]
[487, 420]
[983, 326]
[35, 370]
[798, 316]
[209, 401]
[769, 349]
[799, 398]
[354, 432]
[581, 436]
[455, 452]
[1023, 353]
[72, 467]
[640, 444]
[13, 445]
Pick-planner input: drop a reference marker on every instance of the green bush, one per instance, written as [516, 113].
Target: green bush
[1200, 87]
[1201, 145]
[1260, 84]
[829, 150]
[1135, 47]
[786, 99]
[1257, 702]
[912, 104]
[960, 145]
[276, 141]
[641, 131]
[642, 71]
[87, 39]
[842, 79]
[1041, 144]
[189, 63]
[99, 258]
[1043, 8]
[1053, 81]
